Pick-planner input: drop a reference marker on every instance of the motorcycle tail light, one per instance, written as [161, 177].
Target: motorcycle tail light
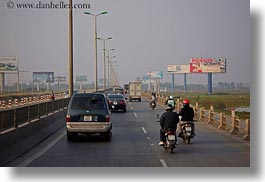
[170, 133]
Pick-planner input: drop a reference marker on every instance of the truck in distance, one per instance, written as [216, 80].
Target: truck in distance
[135, 89]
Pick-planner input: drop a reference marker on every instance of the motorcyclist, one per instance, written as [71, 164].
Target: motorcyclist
[152, 99]
[187, 114]
[168, 121]
[171, 101]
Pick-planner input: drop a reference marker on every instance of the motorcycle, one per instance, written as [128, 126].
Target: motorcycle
[170, 142]
[153, 105]
[187, 131]
[170, 137]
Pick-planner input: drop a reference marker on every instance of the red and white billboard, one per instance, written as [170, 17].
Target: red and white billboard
[207, 65]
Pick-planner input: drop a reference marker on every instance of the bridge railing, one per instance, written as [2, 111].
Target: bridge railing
[18, 116]
[232, 123]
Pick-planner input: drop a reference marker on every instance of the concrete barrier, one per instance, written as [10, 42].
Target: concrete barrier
[234, 127]
[18, 141]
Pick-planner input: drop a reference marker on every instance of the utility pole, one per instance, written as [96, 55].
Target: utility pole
[70, 47]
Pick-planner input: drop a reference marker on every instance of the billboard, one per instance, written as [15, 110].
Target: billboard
[182, 68]
[8, 64]
[207, 65]
[60, 79]
[155, 74]
[44, 77]
[81, 78]
[147, 78]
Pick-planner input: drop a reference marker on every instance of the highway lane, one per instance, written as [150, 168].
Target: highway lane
[135, 144]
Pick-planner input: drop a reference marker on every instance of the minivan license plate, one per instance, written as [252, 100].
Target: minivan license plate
[88, 118]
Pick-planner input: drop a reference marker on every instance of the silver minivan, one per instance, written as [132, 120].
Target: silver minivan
[88, 113]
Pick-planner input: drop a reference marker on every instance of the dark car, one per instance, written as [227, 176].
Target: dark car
[88, 113]
[116, 102]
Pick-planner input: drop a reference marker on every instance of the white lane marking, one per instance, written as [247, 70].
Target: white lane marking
[148, 138]
[45, 149]
[163, 162]
[144, 130]
[131, 107]
[135, 114]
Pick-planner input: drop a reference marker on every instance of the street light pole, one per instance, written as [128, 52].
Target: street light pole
[18, 80]
[70, 47]
[95, 43]
[108, 63]
[104, 64]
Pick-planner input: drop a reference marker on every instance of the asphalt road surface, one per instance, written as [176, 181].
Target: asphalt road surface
[134, 143]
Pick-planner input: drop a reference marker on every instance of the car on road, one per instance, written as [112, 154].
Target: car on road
[116, 102]
[88, 113]
[66, 94]
[118, 91]
[108, 92]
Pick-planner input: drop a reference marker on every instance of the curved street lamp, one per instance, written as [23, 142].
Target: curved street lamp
[108, 56]
[95, 44]
[104, 63]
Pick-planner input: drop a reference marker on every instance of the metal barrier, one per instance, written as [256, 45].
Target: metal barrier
[13, 118]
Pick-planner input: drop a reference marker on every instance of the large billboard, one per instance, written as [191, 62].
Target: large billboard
[8, 64]
[181, 68]
[43, 77]
[155, 74]
[207, 65]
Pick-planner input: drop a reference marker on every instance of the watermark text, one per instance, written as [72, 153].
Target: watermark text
[49, 5]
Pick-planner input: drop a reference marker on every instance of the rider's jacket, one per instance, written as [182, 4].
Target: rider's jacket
[169, 120]
[187, 113]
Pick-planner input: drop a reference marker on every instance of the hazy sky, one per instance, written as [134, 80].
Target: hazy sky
[147, 35]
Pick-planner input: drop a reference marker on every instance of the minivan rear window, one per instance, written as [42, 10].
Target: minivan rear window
[88, 103]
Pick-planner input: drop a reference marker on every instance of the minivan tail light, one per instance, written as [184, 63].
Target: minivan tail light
[107, 118]
[68, 118]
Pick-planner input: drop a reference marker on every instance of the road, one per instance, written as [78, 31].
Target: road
[134, 143]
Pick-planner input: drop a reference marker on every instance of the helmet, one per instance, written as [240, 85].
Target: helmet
[169, 107]
[185, 101]
[171, 97]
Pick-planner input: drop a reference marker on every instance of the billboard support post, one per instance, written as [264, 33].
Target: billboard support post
[173, 83]
[48, 86]
[38, 87]
[185, 82]
[2, 82]
[209, 83]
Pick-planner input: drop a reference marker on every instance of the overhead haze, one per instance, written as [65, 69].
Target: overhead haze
[147, 35]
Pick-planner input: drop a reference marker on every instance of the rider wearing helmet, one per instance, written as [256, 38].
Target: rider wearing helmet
[152, 99]
[168, 121]
[171, 101]
[187, 114]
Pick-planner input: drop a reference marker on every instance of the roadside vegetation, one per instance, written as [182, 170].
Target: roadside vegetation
[221, 101]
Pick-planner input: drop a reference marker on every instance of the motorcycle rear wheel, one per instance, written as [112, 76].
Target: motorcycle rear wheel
[171, 148]
[186, 139]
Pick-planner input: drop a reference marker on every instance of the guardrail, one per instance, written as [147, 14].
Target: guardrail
[232, 123]
[15, 117]
[22, 101]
